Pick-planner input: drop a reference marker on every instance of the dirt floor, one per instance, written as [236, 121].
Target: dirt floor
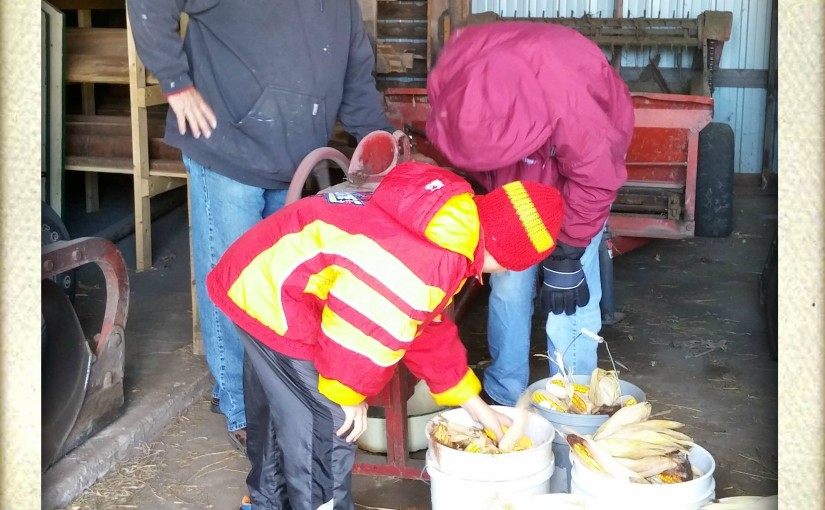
[694, 340]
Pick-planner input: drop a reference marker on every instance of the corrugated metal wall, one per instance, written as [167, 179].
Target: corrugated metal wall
[748, 48]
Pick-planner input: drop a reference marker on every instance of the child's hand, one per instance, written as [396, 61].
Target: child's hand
[355, 418]
[488, 417]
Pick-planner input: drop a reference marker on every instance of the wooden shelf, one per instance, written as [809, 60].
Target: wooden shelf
[98, 55]
[114, 165]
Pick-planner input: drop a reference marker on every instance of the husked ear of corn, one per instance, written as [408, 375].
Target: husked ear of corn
[628, 400]
[441, 434]
[472, 448]
[583, 452]
[580, 404]
[596, 458]
[523, 443]
[476, 440]
[545, 399]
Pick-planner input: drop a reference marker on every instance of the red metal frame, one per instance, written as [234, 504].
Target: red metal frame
[663, 154]
[63, 256]
[397, 462]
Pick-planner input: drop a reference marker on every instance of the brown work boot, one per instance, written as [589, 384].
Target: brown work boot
[238, 439]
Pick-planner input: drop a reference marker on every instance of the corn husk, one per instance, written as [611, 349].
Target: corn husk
[649, 466]
[476, 440]
[625, 416]
[604, 387]
[593, 456]
[515, 432]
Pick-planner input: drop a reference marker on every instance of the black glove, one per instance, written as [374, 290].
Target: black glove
[565, 287]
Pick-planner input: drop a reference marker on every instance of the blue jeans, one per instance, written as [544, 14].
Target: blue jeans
[222, 210]
[508, 328]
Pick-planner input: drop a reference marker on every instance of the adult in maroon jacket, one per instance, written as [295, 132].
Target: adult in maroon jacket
[537, 102]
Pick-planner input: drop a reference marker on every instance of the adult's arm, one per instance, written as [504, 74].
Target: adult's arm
[592, 163]
[361, 111]
[155, 25]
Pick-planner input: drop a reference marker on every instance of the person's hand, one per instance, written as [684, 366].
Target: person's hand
[489, 418]
[190, 108]
[355, 421]
[565, 287]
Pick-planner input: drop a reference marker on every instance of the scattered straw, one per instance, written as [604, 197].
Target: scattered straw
[118, 488]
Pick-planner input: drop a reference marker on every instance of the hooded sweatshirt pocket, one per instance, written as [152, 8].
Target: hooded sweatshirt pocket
[279, 130]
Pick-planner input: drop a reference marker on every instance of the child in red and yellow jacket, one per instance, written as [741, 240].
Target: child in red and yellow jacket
[331, 292]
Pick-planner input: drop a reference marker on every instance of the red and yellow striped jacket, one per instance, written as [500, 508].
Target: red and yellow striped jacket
[356, 282]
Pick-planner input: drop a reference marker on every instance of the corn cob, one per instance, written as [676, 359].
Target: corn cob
[595, 457]
[579, 404]
[516, 431]
[544, 399]
[472, 448]
[581, 449]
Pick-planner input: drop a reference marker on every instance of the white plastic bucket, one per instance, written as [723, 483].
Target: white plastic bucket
[576, 423]
[421, 408]
[477, 481]
[482, 467]
[451, 492]
[675, 496]
[556, 502]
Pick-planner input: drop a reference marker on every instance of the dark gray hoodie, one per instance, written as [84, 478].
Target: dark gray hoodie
[277, 73]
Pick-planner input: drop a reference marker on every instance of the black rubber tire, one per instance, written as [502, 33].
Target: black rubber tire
[714, 181]
[769, 298]
[53, 229]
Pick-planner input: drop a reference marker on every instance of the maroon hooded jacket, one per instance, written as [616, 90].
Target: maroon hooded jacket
[537, 102]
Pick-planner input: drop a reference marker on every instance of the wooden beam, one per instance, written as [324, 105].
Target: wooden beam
[69, 5]
[459, 10]
[140, 157]
[437, 14]
[369, 12]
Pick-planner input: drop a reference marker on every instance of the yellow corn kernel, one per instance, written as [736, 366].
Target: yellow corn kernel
[584, 454]
[523, 443]
[669, 478]
[579, 403]
[441, 434]
[539, 399]
[489, 434]
[472, 448]
[581, 388]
